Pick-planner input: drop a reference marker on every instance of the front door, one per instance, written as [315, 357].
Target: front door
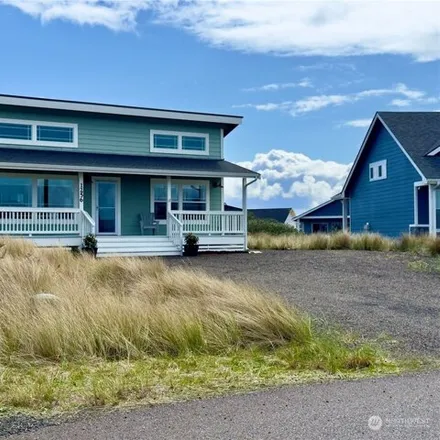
[106, 206]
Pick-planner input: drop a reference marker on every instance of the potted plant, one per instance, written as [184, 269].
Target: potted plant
[90, 244]
[191, 248]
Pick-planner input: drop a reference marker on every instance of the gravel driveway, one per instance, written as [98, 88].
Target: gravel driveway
[369, 292]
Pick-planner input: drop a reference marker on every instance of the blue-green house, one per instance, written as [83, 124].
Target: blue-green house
[138, 178]
[393, 187]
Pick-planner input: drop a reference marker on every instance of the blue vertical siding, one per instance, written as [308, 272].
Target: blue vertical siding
[388, 204]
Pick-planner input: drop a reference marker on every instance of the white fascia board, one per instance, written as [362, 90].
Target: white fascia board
[110, 170]
[119, 110]
[317, 217]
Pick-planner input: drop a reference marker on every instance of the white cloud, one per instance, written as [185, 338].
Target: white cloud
[318, 102]
[400, 102]
[290, 175]
[288, 27]
[305, 82]
[358, 123]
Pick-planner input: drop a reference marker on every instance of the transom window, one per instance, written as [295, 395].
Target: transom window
[185, 196]
[33, 191]
[52, 134]
[180, 143]
[15, 131]
[378, 170]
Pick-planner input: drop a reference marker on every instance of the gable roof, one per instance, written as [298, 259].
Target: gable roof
[72, 161]
[416, 133]
[278, 214]
[335, 198]
[227, 122]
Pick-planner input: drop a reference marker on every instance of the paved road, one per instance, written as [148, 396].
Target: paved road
[370, 292]
[409, 407]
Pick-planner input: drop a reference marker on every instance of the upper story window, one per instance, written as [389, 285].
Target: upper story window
[49, 134]
[378, 170]
[179, 143]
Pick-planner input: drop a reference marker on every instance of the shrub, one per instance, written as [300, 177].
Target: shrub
[268, 226]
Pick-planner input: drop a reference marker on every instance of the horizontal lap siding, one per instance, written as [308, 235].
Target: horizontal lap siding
[388, 204]
[333, 208]
[117, 135]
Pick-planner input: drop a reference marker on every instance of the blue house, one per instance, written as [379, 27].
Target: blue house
[324, 218]
[139, 178]
[394, 184]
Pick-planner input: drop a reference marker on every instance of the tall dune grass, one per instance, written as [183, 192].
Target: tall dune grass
[129, 308]
[368, 242]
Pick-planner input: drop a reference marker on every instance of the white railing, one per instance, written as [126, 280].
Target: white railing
[87, 224]
[212, 222]
[45, 221]
[175, 230]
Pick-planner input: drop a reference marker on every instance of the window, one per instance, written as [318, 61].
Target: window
[166, 141]
[16, 192]
[54, 134]
[51, 134]
[194, 197]
[179, 143]
[193, 143]
[160, 200]
[320, 227]
[55, 193]
[378, 170]
[15, 131]
[185, 196]
[34, 191]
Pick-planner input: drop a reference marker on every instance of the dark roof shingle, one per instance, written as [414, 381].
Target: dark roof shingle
[77, 161]
[418, 133]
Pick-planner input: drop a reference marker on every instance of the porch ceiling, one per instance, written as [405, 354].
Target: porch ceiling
[72, 161]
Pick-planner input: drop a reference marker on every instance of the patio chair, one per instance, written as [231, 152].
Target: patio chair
[147, 222]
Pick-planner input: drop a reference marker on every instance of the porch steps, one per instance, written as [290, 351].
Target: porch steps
[136, 246]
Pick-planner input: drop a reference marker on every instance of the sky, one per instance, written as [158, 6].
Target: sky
[307, 76]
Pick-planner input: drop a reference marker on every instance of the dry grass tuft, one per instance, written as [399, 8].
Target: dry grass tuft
[366, 242]
[129, 308]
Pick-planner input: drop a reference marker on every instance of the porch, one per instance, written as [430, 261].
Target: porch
[426, 209]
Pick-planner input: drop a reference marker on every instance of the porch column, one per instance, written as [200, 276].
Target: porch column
[416, 204]
[244, 207]
[81, 191]
[432, 211]
[168, 202]
[344, 215]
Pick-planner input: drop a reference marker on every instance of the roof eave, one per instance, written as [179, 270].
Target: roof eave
[229, 122]
[120, 170]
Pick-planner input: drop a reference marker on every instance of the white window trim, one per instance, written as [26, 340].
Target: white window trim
[179, 150]
[35, 177]
[375, 167]
[34, 140]
[179, 182]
